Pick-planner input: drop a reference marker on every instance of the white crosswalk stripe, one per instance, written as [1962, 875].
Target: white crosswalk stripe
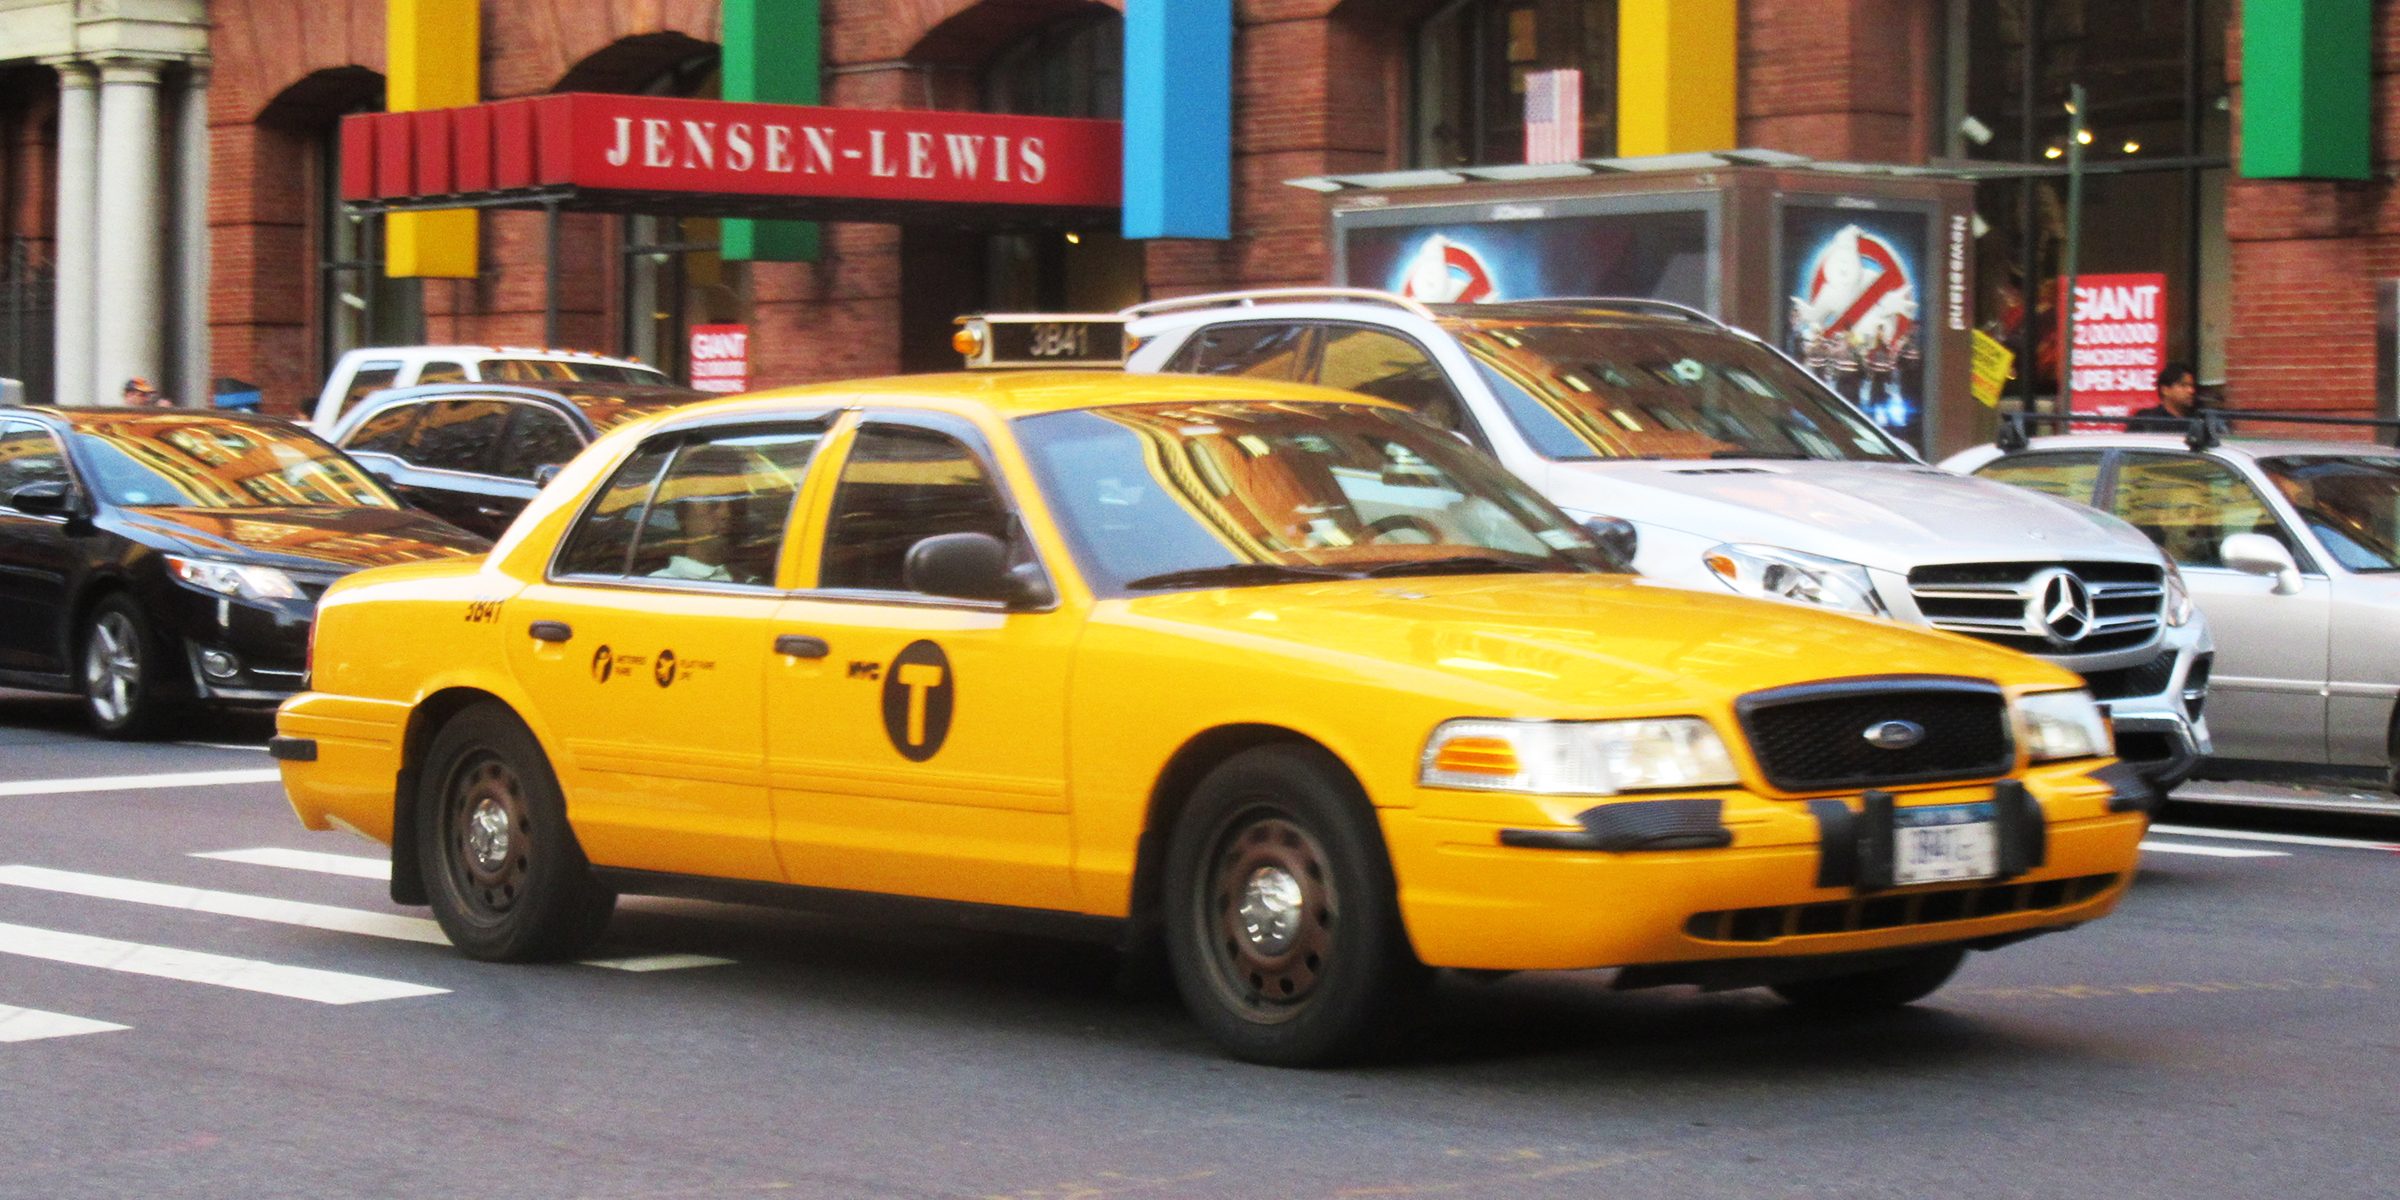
[137, 783]
[192, 966]
[229, 904]
[658, 962]
[2286, 839]
[305, 860]
[2158, 847]
[32, 1024]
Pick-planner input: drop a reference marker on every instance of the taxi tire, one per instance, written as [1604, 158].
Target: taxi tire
[1920, 976]
[120, 649]
[486, 762]
[1359, 981]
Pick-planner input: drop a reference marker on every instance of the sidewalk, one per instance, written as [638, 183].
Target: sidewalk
[2356, 801]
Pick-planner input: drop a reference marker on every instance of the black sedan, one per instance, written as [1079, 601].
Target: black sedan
[156, 558]
[474, 454]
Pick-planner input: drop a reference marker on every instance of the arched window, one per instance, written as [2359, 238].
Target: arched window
[357, 304]
[1472, 57]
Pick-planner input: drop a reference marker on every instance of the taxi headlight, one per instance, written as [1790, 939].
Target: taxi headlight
[2179, 596]
[234, 579]
[1774, 573]
[2063, 725]
[1575, 758]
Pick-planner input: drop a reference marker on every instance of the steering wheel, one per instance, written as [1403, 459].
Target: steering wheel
[1385, 528]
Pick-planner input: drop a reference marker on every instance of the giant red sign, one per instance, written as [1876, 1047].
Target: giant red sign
[2120, 343]
[619, 144]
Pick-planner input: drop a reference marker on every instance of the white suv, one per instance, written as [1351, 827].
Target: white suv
[375, 368]
[1738, 471]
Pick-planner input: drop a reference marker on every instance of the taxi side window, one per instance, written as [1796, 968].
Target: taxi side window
[720, 510]
[2189, 505]
[1256, 350]
[901, 485]
[603, 539]
[28, 454]
[385, 432]
[537, 437]
[1359, 358]
[458, 435]
[2068, 476]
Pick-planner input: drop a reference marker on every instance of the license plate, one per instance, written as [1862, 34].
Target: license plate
[1944, 842]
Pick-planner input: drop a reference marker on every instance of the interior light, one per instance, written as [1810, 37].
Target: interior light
[2052, 152]
[2083, 137]
[1074, 239]
[2133, 147]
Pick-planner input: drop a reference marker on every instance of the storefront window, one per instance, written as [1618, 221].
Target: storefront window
[2153, 73]
[673, 274]
[1472, 57]
[362, 307]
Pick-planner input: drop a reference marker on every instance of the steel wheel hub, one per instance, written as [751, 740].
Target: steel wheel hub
[492, 833]
[487, 835]
[1270, 911]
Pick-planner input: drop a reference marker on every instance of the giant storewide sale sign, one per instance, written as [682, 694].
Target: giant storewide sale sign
[2120, 341]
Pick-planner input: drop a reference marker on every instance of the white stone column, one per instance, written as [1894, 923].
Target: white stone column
[129, 318]
[191, 242]
[78, 187]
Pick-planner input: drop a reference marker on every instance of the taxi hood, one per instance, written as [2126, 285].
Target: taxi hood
[1892, 516]
[1563, 645]
[322, 539]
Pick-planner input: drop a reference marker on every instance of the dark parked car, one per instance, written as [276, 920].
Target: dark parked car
[473, 453]
[152, 558]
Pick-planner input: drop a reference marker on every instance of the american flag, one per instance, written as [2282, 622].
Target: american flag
[1554, 116]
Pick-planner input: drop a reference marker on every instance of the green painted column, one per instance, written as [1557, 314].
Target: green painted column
[773, 54]
[2308, 89]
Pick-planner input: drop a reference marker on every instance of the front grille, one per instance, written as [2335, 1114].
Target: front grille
[2148, 679]
[1992, 601]
[1813, 737]
[1892, 912]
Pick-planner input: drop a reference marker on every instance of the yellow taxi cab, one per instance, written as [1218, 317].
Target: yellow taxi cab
[1279, 677]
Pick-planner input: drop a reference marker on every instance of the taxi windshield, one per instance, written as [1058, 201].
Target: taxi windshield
[1231, 493]
[196, 462]
[2350, 502]
[1583, 391]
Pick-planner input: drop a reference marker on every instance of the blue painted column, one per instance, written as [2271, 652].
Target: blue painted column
[1178, 119]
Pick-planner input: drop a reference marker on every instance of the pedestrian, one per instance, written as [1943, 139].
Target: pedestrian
[2177, 403]
[141, 393]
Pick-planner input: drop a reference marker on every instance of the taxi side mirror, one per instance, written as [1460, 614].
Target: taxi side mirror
[1615, 535]
[543, 474]
[970, 566]
[48, 498]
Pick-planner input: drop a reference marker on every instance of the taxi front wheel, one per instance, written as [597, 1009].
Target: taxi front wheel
[1284, 927]
[1870, 991]
[506, 877]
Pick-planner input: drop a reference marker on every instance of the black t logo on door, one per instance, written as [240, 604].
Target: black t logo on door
[917, 695]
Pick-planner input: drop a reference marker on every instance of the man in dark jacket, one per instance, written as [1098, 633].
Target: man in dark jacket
[2176, 403]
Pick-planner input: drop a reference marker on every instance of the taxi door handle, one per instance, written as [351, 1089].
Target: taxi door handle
[551, 631]
[800, 645]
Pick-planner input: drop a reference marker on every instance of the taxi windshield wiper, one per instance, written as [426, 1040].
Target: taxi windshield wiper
[1239, 575]
[1465, 564]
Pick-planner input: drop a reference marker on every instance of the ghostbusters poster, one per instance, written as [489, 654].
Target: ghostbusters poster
[1854, 286]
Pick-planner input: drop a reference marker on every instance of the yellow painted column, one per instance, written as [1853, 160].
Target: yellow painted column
[432, 59]
[1678, 76]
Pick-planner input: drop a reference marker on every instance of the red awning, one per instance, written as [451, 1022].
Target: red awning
[598, 152]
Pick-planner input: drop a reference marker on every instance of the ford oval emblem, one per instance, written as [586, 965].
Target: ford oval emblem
[1894, 735]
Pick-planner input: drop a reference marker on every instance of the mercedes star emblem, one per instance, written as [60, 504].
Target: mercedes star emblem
[2060, 607]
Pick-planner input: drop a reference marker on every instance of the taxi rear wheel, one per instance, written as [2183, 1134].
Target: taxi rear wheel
[507, 880]
[1284, 930]
[1919, 976]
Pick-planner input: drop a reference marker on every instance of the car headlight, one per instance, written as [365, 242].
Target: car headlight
[2179, 596]
[1575, 758]
[1774, 573]
[234, 579]
[2064, 725]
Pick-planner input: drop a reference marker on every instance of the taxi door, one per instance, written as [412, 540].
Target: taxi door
[916, 744]
[646, 646]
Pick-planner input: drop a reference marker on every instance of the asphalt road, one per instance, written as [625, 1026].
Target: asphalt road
[2233, 1032]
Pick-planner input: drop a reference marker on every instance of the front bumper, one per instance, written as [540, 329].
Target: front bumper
[244, 652]
[1472, 902]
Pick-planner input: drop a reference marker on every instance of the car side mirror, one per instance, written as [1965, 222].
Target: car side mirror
[543, 474]
[47, 498]
[1616, 535]
[971, 566]
[2258, 554]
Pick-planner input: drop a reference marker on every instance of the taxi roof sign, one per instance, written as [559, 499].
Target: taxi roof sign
[1016, 341]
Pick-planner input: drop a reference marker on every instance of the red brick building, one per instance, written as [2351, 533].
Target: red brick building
[2273, 284]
